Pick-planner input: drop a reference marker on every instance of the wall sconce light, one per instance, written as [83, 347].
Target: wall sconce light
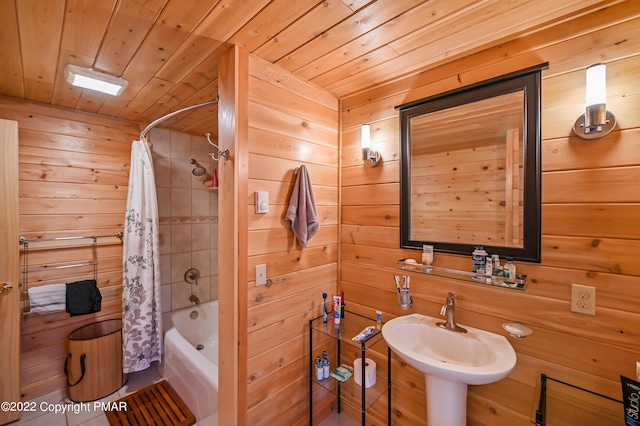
[370, 157]
[94, 80]
[596, 122]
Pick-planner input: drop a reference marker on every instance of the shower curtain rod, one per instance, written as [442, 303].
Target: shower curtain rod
[171, 114]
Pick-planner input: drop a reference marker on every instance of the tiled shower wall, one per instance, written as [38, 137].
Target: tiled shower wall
[188, 212]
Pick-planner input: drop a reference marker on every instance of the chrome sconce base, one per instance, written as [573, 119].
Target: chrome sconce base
[585, 131]
[370, 157]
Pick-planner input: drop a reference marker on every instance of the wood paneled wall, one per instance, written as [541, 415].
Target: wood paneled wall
[291, 123]
[590, 211]
[74, 171]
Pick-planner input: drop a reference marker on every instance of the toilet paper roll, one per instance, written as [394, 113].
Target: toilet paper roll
[369, 372]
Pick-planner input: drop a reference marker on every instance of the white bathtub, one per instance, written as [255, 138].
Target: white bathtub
[191, 372]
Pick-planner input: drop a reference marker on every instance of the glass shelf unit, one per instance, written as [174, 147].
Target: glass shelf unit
[338, 338]
[519, 283]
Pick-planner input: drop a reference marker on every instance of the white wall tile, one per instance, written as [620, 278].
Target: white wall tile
[214, 287]
[181, 202]
[181, 238]
[203, 289]
[165, 268]
[180, 146]
[164, 202]
[181, 173]
[162, 171]
[161, 141]
[200, 239]
[180, 263]
[200, 149]
[165, 236]
[180, 293]
[201, 260]
[200, 203]
[165, 297]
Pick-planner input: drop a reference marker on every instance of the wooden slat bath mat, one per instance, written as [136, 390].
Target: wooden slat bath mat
[157, 405]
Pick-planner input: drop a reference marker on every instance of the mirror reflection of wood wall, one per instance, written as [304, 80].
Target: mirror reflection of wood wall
[466, 173]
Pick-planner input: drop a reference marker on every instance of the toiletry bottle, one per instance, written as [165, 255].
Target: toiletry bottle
[342, 305]
[510, 269]
[319, 369]
[495, 264]
[427, 255]
[488, 267]
[337, 302]
[478, 257]
[378, 320]
[326, 371]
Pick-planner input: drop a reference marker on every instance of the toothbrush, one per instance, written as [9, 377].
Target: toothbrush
[397, 278]
[325, 314]
[408, 282]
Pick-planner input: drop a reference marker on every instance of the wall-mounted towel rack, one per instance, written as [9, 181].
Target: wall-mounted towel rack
[25, 266]
[23, 240]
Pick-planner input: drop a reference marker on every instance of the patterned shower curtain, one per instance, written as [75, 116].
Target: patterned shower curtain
[141, 310]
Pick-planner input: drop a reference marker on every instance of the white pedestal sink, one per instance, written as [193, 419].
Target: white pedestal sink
[450, 362]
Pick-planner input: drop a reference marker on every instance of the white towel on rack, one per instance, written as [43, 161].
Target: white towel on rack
[47, 299]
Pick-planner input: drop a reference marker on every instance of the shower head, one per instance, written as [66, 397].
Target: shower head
[198, 170]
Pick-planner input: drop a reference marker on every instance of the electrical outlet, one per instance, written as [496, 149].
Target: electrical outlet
[583, 299]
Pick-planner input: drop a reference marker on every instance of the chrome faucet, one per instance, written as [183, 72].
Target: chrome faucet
[194, 299]
[449, 310]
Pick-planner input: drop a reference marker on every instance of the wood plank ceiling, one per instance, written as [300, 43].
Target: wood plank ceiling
[168, 50]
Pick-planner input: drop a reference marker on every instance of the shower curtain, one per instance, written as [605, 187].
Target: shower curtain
[141, 310]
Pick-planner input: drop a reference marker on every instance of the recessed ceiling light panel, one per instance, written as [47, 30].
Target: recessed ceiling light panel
[94, 80]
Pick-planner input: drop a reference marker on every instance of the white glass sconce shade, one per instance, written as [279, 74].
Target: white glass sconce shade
[370, 157]
[596, 122]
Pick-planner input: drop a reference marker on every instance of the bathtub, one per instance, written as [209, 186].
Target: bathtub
[190, 361]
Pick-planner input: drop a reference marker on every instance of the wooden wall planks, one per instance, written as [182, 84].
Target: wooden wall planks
[287, 128]
[590, 209]
[73, 181]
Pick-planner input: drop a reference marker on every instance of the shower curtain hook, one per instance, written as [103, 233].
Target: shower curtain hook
[224, 154]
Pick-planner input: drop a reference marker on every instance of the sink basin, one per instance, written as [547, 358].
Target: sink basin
[450, 361]
[477, 357]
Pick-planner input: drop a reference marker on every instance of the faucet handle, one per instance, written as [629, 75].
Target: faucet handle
[443, 310]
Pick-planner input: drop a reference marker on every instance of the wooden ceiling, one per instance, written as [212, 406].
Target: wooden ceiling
[168, 50]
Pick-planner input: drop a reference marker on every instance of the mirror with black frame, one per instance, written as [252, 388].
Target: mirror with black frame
[470, 168]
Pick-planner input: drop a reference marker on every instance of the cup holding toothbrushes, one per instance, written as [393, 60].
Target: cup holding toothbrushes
[404, 293]
[404, 299]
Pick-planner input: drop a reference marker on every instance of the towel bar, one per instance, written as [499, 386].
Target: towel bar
[26, 271]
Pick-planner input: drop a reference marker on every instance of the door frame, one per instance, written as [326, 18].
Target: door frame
[10, 270]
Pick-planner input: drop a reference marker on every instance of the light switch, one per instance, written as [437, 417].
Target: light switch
[261, 274]
[262, 202]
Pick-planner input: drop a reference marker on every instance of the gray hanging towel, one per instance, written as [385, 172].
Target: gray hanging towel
[83, 297]
[302, 209]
